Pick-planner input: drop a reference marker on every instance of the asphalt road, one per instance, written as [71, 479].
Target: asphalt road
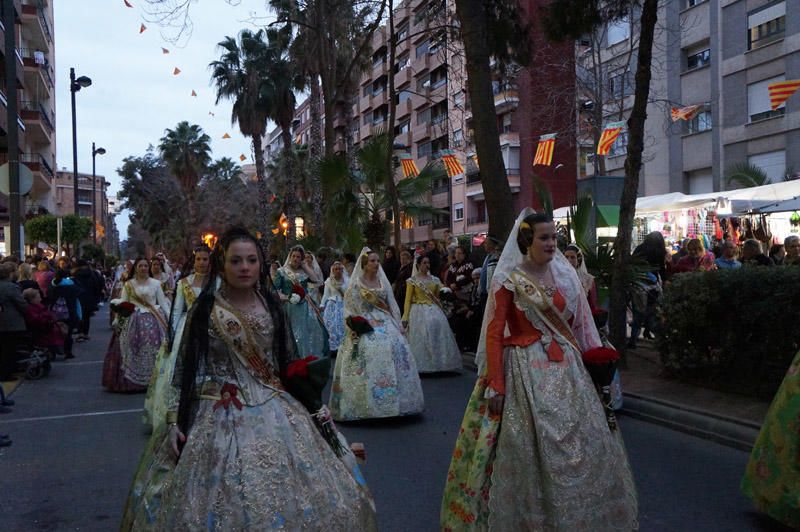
[76, 448]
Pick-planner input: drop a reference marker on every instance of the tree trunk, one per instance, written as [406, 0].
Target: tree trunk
[633, 165]
[263, 194]
[391, 187]
[290, 201]
[315, 152]
[475, 36]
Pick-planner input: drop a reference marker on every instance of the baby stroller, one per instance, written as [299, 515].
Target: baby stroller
[34, 361]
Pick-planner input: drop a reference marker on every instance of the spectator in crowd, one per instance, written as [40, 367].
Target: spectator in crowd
[12, 320]
[450, 258]
[468, 315]
[752, 255]
[449, 240]
[792, 245]
[325, 260]
[91, 293]
[435, 257]
[46, 332]
[654, 250]
[66, 306]
[697, 258]
[349, 261]
[391, 264]
[25, 278]
[777, 253]
[492, 246]
[44, 276]
[682, 251]
[459, 275]
[403, 275]
[728, 259]
[63, 263]
[645, 298]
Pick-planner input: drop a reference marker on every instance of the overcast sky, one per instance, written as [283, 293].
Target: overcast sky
[135, 96]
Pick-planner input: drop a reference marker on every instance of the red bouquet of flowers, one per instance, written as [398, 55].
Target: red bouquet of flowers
[124, 308]
[358, 326]
[601, 363]
[305, 379]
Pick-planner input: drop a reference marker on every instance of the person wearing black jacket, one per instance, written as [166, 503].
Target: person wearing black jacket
[90, 295]
[65, 303]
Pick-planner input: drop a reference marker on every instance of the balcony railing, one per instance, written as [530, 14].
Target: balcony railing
[441, 224]
[40, 12]
[476, 220]
[441, 189]
[40, 61]
[38, 158]
[473, 178]
[39, 108]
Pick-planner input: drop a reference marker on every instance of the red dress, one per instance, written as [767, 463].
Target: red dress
[42, 324]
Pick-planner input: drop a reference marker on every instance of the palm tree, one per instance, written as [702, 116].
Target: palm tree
[358, 199]
[747, 175]
[225, 169]
[186, 150]
[239, 75]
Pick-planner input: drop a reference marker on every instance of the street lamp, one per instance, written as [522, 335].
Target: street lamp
[95, 153]
[75, 84]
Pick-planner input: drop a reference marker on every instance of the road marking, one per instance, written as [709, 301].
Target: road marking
[67, 416]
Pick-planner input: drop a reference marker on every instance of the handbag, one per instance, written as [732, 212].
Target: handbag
[60, 309]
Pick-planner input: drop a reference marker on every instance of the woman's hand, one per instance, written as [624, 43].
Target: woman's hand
[175, 436]
[496, 405]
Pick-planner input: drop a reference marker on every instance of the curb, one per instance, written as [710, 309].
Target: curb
[725, 430]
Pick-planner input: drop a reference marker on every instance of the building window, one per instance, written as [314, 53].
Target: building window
[618, 31]
[423, 149]
[402, 63]
[367, 118]
[403, 127]
[692, 3]
[759, 106]
[620, 146]
[442, 143]
[458, 212]
[766, 25]
[773, 163]
[367, 91]
[619, 84]
[402, 32]
[700, 123]
[422, 49]
[402, 96]
[439, 112]
[698, 59]
[505, 126]
[458, 138]
[700, 181]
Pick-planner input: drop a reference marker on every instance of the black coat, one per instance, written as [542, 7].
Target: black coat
[91, 291]
[70, 293]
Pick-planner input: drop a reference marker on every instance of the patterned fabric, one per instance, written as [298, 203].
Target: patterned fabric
[308, 329]
[253, 463]
[113, 376]
[333, 311]
[429, 333]
[772, 477]
[554, 465]
[140, 341]
[160, 388]
[377, 376]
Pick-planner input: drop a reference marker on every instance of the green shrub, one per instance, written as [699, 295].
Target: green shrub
[732, 329]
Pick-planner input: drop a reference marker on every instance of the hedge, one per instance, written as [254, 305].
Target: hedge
[732, 329]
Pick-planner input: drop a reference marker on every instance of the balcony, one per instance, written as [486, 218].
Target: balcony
[421, 132]
[42, 172]
[37, 72]
[441, 224]
[38, 121]
[403, 108]
[473, 178]
[476, 220]
[33, 17]
[506, 100]
[403, 77]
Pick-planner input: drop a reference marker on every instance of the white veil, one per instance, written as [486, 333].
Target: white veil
[567, 282]
[314, 265]
[355, 281]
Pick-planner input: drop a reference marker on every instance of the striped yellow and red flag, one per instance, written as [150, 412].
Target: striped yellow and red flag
[609, 136]
[544, 150]
[685, 113]
[451, 164]
[409, 166]
[781, 91]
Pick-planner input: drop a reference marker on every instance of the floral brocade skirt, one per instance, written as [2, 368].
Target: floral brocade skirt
[432, 340]
[333, 315]
[551, 463]
[309, 333]
[772, 477]
[376, 377]
[160, 388]
[263, 467]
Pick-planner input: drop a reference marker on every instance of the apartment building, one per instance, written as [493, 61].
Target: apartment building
[35, 59]
[722, 55]
[64, 199]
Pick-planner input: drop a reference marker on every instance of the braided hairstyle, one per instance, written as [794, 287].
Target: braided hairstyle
[527, 228]
[194, 344]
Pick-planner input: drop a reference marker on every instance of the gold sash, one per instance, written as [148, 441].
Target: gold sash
[240, 340]
[134, 297]
[188, 292]
[422, 286]
[372, 298]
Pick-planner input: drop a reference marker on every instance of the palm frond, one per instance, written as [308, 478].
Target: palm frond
[747, 175]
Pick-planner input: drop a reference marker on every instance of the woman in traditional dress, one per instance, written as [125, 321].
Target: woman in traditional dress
[333, 306]
[188, 288]
[553, 463]
[375, 374]
[131, 355]
[249, 456]
[574, 256]
[429, 333]
[772, 477]
[292, 282]
[314, 287]
[159, 274]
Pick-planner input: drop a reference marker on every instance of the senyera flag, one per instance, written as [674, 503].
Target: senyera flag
[781, 91]
[451, 164]
[409, 166]
[609, 136]
[544, 150]
[685, 113]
